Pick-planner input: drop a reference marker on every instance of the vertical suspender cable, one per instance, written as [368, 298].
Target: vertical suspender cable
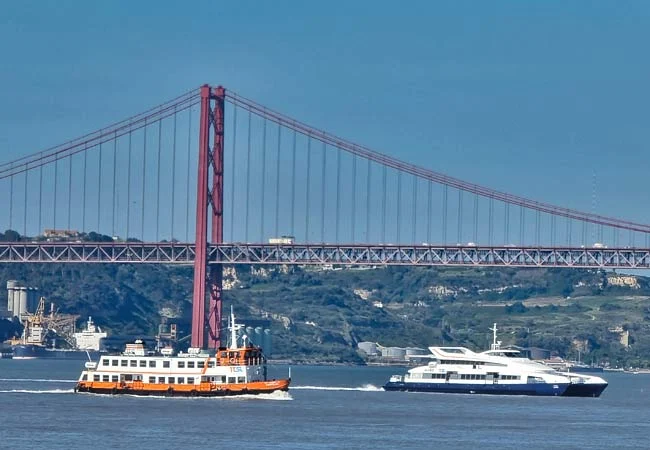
[414, 209]
[568, 232]
[158, 181]
[475, 218]
[248, 175]
[506, 232]
[429, 208]
[293, 184]
[25, 207]
[233, 174]
[128, 190]
[99, 189]
[322, 199]
[56, 173]
[114, 182]
[383, 205]
[368, 193]
[338, 194]
[83, 194]
[445, 200]
[144, 174]
[522, 224]
[69, 189]
[277, 183]
[491, 222]
[308, 187]
[11, 201]
[263, 180]
[187, 189]
[399, 206]
[173, 176]
[354, 197]
[537, 227]
[460, 216]
[40, 197]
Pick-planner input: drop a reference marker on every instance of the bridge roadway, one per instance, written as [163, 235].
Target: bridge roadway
[327, 254]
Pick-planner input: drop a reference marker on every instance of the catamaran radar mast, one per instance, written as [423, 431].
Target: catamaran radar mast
[496, 345]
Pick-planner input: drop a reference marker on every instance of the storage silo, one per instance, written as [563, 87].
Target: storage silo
[22, 301]
[250, 333]
[267, 342]
[369, 348]
[11, 287]
[258, 338]
[415, 351]
[393, 352]
[32, 299]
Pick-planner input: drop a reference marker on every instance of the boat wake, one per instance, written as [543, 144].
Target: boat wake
[38, 380]
[37, 391]
[364, 388]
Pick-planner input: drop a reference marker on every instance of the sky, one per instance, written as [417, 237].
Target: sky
[546, 100]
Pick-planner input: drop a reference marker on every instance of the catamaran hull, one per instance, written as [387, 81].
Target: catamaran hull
[536, 389]
[585, 390]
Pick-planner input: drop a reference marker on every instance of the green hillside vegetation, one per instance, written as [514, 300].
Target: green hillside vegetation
[321, 316]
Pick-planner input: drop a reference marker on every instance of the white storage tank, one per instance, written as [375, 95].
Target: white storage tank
[369, 348]
[416, 351]
[22, 301]
[11, 288]
[393, 352]
[266, 347]
[258, 338]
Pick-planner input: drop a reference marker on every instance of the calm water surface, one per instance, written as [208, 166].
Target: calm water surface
[327, 407]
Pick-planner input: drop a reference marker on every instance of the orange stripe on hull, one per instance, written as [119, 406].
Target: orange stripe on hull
[183, 390]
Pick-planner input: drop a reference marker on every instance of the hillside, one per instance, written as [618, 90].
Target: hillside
[320, 315]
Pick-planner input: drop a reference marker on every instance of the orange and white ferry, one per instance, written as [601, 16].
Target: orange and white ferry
[231, 370]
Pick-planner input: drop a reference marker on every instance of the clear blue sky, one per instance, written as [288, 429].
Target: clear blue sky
[526, 97]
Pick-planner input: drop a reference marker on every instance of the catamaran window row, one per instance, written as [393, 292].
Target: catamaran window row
[462, 376]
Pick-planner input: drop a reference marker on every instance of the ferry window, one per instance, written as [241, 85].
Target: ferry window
[133, 363]
[152, 363]
[161, 380]
[231, 379]
[223, 379]
[123, 362]
[128, 377]
[171, 380]
[190, 380]
[190, 364]
[152, 380]
[114, 378]
[181, 380]
[105, 362]
[95, 377]
[210, 364]
[143, 363]
[224, 355]
[114, 362]
[181, 364]
[241, 379]
[200, 364]
[84, 378]
[166, 364]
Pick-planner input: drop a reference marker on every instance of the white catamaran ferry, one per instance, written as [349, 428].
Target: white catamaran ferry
[233, 370]
[495, 371]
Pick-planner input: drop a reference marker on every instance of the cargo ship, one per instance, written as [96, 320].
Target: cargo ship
[41, 329]
[233, 370]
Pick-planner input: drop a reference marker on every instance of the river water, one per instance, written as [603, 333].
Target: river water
[326, 407]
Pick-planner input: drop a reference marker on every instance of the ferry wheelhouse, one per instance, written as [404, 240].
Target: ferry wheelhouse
[495, 371]
[232, 370]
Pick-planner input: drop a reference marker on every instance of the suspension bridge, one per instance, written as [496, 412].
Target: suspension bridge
[264, 188]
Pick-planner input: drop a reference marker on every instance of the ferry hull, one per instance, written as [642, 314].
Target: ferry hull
[145, 389]
[534, 389]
